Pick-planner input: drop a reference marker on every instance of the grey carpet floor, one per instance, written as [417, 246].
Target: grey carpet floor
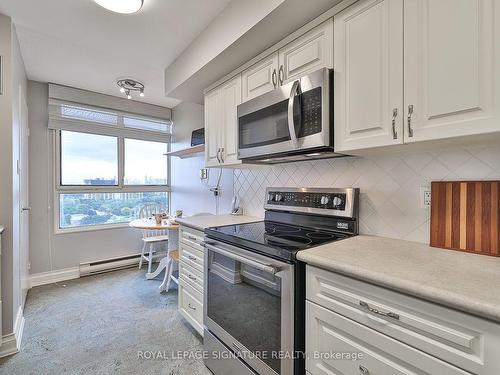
[105, 324]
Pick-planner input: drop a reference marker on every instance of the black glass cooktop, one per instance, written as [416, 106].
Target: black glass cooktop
[273, 238]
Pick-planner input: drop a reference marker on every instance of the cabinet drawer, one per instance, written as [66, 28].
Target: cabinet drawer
[191, 275]
[198, 251]
[192, 258]
[449, 335]
[190, 306]
[192, 238]
[338, 345]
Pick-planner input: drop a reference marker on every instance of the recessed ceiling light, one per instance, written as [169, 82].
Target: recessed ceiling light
[121, 6]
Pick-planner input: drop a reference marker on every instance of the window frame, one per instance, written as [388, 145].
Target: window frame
[59, 188]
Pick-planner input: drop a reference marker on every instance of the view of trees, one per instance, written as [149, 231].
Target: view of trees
[105, 208]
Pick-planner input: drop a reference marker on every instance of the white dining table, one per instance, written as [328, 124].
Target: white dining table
[173, 243]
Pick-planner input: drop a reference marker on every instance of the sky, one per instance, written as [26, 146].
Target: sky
[89, 156]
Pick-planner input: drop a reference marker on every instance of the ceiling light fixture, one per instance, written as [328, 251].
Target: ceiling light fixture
[127, 85]
[121, 6]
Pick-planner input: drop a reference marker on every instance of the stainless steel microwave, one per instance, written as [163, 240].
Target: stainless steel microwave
[291, 123]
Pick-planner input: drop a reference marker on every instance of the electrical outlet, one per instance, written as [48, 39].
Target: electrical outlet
[203, 173]
[425, 196]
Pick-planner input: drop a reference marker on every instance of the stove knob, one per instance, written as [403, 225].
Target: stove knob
[337, 201]
[270, 197]
[279, 198]
[325, 199]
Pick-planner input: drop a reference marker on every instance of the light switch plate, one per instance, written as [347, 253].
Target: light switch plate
[203, 173]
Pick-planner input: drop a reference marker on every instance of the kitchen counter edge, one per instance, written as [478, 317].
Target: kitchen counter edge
[332, 257]
[206, 221]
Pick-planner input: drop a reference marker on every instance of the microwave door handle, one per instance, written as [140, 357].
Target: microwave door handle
[261, 266]
[291, 125]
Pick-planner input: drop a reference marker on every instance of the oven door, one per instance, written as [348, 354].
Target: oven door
[293, 117]
[249, 306]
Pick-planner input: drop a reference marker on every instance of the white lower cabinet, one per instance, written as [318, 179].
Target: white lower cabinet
[191, 261]
[395, 333]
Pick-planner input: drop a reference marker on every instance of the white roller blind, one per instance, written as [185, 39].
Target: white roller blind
[83, 117]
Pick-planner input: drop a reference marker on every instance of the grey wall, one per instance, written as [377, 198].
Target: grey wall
[189, 193]
[14, 79]
[50, 251]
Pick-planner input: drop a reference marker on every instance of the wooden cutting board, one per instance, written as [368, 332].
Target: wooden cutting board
[465, 216]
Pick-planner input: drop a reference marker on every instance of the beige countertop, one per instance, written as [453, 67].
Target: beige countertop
[207, 221]
[463, 281]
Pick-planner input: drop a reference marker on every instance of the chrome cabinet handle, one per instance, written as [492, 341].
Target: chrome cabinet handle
[281, 73]
[218, 158]
[394, 115]
[221, 154]
[410, 112]
[274, 78]
[26, 209]
[191, 277]
[378, 312]
[191, 307]
[291, 101]
[192, 257]
[364, 370]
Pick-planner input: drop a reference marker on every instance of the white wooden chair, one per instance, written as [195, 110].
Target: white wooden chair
[152, 237]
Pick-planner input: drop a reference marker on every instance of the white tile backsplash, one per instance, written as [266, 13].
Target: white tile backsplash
[389, 184]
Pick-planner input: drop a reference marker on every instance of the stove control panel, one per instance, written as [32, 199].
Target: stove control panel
[331, 201]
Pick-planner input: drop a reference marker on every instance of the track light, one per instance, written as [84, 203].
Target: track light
[128, 85]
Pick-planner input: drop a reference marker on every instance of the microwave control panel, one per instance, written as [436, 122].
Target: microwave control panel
[310, 103]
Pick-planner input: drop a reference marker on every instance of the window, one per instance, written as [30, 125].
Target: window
[93, 209]
[104, 180]
[145, 163]
[88, 159]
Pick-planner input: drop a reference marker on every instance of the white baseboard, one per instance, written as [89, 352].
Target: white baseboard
[50, 277]
[11, 343]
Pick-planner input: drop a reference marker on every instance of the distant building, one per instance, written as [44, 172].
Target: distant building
[99, 181]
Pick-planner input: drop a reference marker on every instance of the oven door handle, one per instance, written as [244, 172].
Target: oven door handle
[291, 102]
[261, 266]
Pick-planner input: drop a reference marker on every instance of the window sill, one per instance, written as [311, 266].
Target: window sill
[90, 228]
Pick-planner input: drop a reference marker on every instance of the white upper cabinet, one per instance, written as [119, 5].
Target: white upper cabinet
[452, 68]
[310, 52]
[368, 75]
[440, 71]
[221, 122]
[212, 127]
[231, 97]
[260, 78]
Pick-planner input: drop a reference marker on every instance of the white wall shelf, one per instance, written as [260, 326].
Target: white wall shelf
[187, 152]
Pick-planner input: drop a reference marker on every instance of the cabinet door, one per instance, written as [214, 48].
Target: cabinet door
[230, 97]
[452, 68]
[212, 127]
[368, 75]
[310, 52]
[260, 78]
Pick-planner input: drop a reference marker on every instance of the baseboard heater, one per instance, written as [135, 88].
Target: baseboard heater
[108, 265]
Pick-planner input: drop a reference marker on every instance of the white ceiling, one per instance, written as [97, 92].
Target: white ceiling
[78, 43]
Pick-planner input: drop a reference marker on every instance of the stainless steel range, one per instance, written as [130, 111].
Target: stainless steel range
[255, 287]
